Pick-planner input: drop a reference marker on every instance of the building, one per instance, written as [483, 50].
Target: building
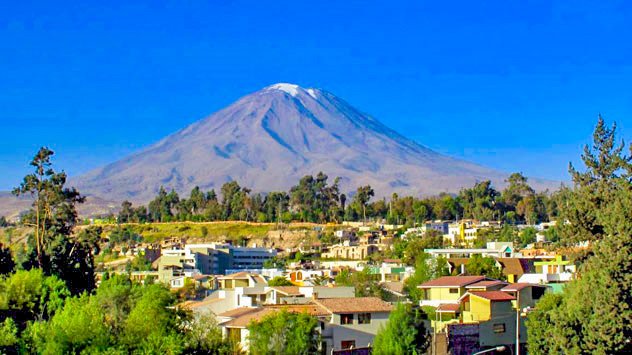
[209, 259]
[350, 251]
[446, 289]
[345, 323]
[495, 249]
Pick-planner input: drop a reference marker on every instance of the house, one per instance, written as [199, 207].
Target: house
[555, 273]
[493, 249]
[241, 279]
[481, 306]
[234, 323]
[525, 293]
[351, 251]
[514, 268]
[344, 322]
[353, 322]
[446, 289]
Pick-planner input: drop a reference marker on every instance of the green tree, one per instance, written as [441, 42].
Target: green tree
[284, 333]
[7, 265]
[53, 217]
[279, 281]
[593, 314]
[126, 214]
[426, 268]
[361, 199]
[403, 334]
[204, 336]
[484, 266]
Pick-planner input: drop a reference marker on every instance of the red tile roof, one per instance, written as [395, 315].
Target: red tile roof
[238, 312]
[257, 314]
[493, 295]
[448, 308]
[452, 281]
[354, 304]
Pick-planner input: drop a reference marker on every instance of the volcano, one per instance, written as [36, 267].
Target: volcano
[269, 139]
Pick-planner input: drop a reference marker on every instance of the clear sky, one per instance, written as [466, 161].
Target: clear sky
[514, 85]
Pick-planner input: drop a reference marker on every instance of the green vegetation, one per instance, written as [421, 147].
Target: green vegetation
[285, 333]
[593, 315]
[365, 284]
[483, 265]
[279, 281]
[426, 269]
[404, 333]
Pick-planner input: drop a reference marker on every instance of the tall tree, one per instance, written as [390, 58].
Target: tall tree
[404, 333]
[593, 314]
[362, 197]
[53, 211]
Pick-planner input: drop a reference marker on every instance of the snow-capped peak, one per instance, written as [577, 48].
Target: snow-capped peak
[291, 89]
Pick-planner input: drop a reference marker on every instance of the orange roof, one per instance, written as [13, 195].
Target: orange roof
[257, 314]
[237, 312]
[493, 295]
[288, 290]
[452, 281]
[237, 275]
[354, 304]
[448, 308]
[197, 304]
[519, 286]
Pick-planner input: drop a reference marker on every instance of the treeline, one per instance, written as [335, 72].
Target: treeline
[314, 199]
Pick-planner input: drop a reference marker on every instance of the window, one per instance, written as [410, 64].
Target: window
[499, 328]
[454, 290]
[346, 319]
[364, 318]
[347, 344]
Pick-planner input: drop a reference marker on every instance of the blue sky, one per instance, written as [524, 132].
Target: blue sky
[513, 85]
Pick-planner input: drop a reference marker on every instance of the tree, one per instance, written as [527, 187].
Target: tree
[365, 284]
[426, 268]
[126, 213]
[284, 333]
[279, 281]
[53, 213]
[607, 172]
[7, 265]
[593, 314]
[204, 336]
[362, 197]
[403, 334]
[484, 266]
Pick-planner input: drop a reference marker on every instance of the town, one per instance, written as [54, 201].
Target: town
[465, 310]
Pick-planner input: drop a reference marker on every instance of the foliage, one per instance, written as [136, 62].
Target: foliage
[403, 334]
[593, 315]
[484, 266]
[205, 337]
[284, 333]
[426, 268]
[7, 265]
[275, 263]
[364, 282]
[53, 216]
[279, 281]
